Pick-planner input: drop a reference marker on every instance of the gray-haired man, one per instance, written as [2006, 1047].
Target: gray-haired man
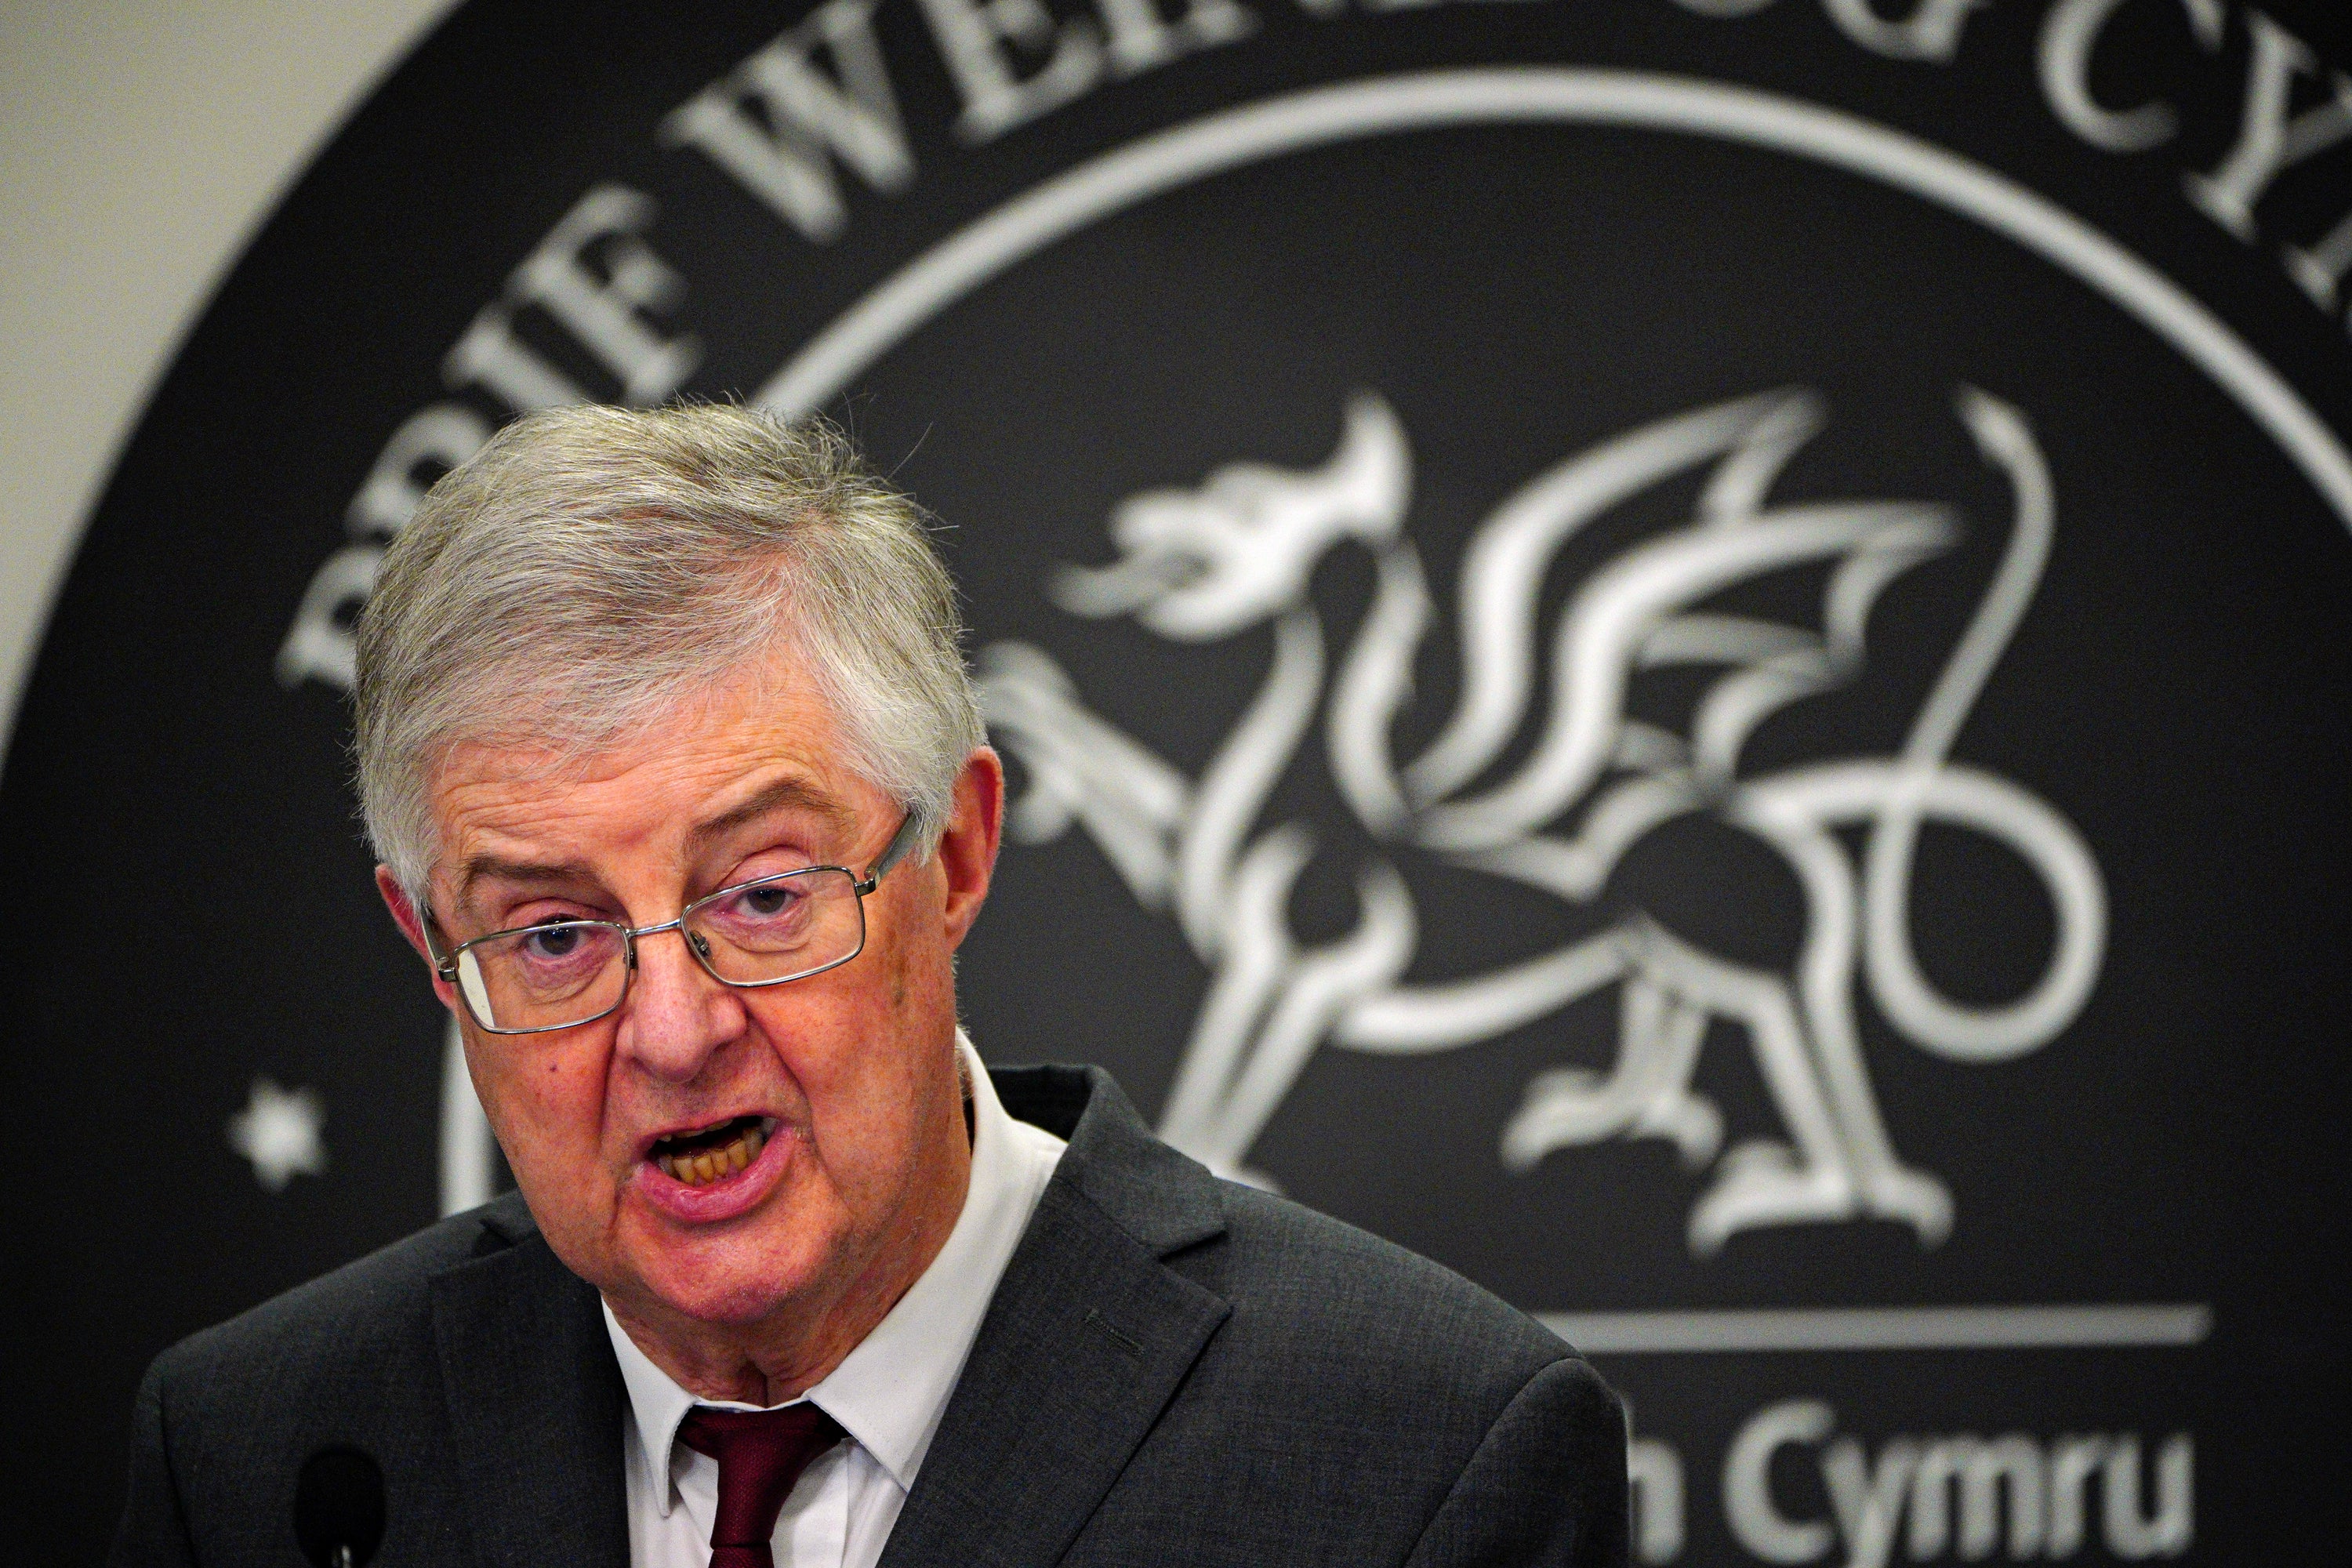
[681, 794]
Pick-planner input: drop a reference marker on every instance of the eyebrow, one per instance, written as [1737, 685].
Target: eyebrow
[531, 873]
[785, 793]
[788, 794]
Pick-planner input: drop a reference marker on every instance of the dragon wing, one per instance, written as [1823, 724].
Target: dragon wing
[1635, 612]
[1503, 569]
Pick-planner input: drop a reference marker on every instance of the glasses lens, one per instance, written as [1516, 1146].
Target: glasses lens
[780, 928]
[544, 977]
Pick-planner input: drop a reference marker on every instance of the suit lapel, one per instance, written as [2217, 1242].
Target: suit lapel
[1085, 1343]
[1085, 1340]
[534, 1399]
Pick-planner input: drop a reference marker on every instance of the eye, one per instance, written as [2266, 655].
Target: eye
[554, 941]
[766, 917]
[769, 901]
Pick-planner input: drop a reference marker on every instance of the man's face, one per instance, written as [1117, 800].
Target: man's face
[854, 1069]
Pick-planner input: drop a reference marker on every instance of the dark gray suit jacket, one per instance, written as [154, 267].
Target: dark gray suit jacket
[1174, 1370]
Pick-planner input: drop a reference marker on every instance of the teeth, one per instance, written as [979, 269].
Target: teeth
[709, 1165]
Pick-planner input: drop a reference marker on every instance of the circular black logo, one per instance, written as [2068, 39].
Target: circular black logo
[1707, 690]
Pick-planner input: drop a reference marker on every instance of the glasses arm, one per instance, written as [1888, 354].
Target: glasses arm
[444, 964]
[901, 843]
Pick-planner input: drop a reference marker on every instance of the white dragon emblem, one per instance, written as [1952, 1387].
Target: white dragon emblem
[1557, 811]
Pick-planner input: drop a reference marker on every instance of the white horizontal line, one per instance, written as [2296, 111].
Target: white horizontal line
[1879, 1329]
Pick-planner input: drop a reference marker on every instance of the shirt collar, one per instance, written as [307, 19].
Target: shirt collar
[658, 1405]
[889, 1393]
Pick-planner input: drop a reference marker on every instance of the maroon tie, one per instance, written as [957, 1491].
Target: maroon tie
[761, 1454]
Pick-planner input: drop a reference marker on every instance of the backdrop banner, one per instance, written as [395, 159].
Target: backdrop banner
[1688, 654]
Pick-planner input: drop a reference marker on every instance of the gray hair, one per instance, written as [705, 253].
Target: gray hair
[591, 568]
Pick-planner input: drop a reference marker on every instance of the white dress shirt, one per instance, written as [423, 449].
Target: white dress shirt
[887, 1394]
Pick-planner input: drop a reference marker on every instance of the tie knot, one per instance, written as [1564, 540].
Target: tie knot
[760, 1455]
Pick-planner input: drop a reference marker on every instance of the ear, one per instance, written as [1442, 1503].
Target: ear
[405, 915]
[967, 851]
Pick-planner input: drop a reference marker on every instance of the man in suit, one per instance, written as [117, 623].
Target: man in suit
[680, 790]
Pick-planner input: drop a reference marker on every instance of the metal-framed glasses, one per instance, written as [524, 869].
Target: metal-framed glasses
[561, 974]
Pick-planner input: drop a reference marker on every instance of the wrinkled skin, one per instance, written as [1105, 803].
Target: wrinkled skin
[760, 1296]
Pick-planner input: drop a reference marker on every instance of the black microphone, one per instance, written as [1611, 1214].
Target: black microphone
[339, 1507]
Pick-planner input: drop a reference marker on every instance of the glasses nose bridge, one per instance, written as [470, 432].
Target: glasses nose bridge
[629, 935]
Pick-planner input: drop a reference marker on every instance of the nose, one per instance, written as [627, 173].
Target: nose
[675, 1016]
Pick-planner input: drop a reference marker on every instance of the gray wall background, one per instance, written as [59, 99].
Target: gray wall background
[141, 143]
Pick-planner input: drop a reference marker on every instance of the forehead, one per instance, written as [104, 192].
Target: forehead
[764, 743]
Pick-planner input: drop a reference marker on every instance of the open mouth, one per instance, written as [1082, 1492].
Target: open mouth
[698, 1159]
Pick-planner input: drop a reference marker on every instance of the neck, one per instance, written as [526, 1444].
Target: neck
[784, 1355]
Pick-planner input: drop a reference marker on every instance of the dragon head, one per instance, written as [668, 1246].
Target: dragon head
[1204, 564]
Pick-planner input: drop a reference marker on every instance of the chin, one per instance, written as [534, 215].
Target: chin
[730, 1284]
[739, 1304]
